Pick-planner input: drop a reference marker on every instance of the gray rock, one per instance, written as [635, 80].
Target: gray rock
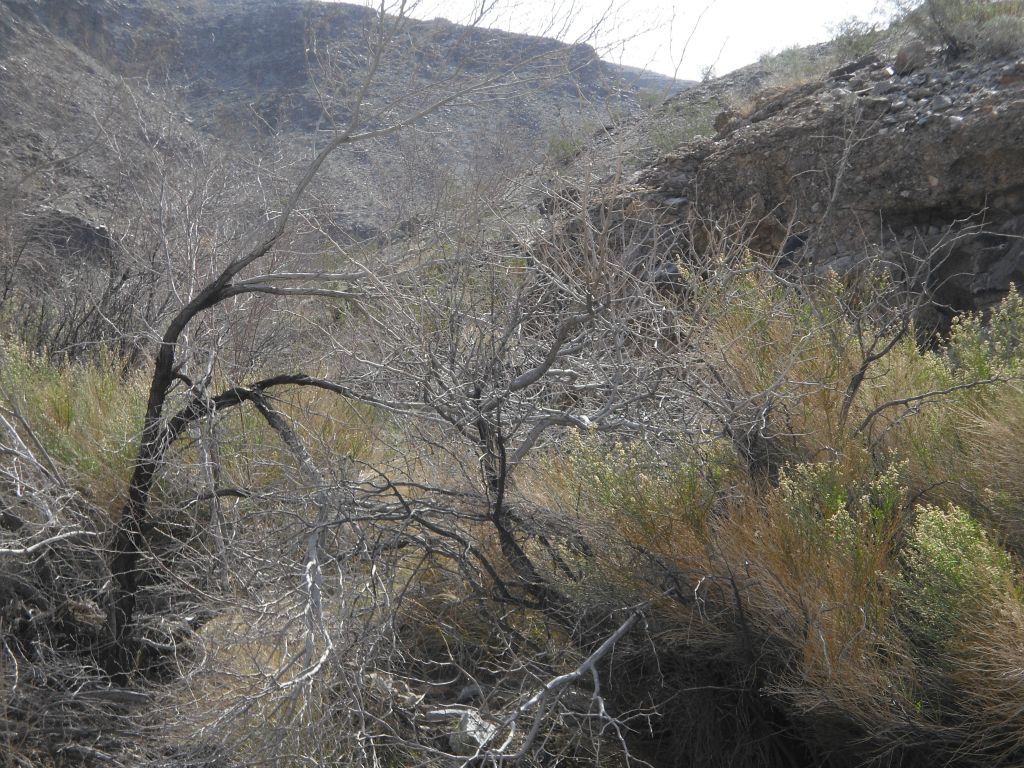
[1012, 74]
[470, 693]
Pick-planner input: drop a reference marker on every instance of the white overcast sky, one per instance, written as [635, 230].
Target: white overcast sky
[652, 33]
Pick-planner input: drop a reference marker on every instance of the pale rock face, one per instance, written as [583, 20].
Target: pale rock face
[470, 731]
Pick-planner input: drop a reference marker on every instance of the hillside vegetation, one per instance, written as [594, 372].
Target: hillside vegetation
[582, 466]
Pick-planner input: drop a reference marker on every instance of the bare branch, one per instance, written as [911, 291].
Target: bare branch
[47, 542]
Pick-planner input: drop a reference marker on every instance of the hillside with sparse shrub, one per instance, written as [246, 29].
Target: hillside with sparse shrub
[684, 434]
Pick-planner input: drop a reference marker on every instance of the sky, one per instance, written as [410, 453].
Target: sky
[652, 34]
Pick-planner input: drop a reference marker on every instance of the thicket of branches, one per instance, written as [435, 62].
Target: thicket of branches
[493, 494]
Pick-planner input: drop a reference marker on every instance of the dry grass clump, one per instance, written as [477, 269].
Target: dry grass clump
[824, 582]
[984, 668]
[829, 602]
[85, 415]
[860, 598]
[57, 706]
[796, 66]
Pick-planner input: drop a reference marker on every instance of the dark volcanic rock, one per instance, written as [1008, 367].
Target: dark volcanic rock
[928, 166]
[70, 240]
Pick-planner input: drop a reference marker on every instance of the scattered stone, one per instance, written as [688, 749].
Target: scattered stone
[941, 102]
[470, 693]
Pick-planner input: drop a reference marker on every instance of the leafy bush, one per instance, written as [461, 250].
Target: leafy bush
[1001, 35]
[847, 602]
[990, 346]
[651, 496]
[853, 38]
[794, 66]
[649, 99]
[960, 26]
[563, 149]
[683, 122]
[951, 573]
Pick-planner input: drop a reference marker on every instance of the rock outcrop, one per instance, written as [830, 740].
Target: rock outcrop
[926, 166]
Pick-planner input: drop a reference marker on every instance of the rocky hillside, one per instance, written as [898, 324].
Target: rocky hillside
[86, 83]
[911, 156]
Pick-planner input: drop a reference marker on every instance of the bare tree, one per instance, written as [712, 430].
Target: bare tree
[501, 348]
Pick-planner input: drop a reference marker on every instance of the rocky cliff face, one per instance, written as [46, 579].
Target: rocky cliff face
[259, 60]
[922, 161]
[915, 161]
[88, 87]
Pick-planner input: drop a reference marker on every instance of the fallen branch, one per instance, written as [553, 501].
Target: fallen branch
[553, 688]
[46, 542]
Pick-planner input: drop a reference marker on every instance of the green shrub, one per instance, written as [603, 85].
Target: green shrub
[982, 348]
[853, 38]
[795, 66]
[652, 498]
[563, 148]
[951, 571]
[1000, 36]
[986, 27]
[649, 99]
[683, 122]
